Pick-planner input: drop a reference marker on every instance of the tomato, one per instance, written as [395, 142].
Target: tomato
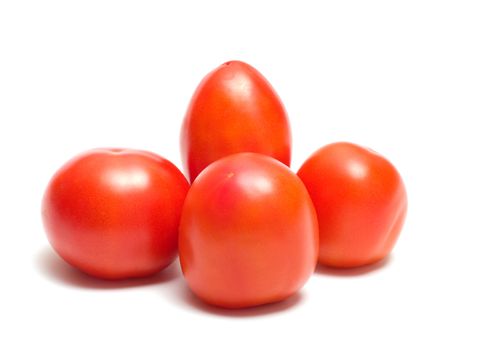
[114, 213]
[248, 232]
[360, 201]
[234, 109]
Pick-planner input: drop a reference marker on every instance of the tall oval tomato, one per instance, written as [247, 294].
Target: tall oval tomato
[360, 200]
[248, 232]
[114, 213]
[234, 109]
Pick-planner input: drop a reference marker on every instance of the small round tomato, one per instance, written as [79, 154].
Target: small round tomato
[234, 109]
[114, 213]
[248, 232]
[360, 201]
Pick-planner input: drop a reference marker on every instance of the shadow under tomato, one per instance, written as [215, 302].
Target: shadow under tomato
[355, 271]
[57, 270]
[188, 298]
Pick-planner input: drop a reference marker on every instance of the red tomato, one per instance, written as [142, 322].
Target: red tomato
[248, 232]
[114, 213]
[360, 201]
[234, 109]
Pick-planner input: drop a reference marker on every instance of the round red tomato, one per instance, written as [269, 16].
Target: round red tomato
[248, 232]
[114, 213]
[360, 201]
[234, 109]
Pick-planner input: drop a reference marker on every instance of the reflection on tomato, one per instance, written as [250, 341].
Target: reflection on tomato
[248, 233]
[360, 200]
[114, 213]
[234, 109]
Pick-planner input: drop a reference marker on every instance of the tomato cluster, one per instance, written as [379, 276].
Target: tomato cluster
[248, 230]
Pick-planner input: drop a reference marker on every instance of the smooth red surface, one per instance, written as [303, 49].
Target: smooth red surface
[248, 233]
[360, 200]
[234, 109]
[115, 213]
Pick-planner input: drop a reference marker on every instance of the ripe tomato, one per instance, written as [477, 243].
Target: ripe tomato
[248, 232]
[360, 200]
[234, 109]
[114, 213]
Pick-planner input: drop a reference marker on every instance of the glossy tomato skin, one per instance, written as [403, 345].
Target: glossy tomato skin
[234, 109]
[248, 233]
[361, 203]
[114, 213]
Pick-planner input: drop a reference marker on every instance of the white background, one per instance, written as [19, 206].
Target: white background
[408, 79]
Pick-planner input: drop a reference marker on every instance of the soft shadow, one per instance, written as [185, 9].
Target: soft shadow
[57, 270]
[191, 300]
[355, 271]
